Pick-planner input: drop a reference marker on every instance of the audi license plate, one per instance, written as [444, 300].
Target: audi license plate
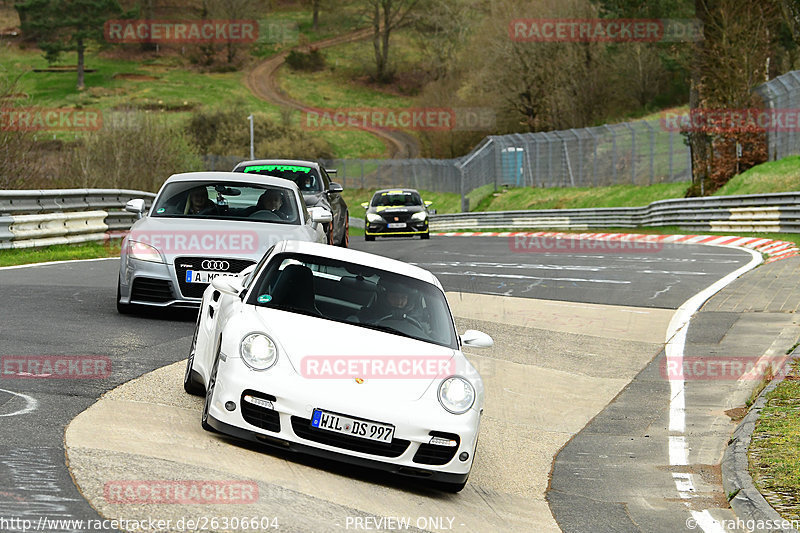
[396, 225]
[354, 427]
[203, 276]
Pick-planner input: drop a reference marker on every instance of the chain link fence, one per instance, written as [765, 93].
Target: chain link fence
[782, 95]
[643, 152]
[639, 153]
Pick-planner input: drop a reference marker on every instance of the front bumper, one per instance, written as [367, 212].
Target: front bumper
[286, 425]
[153, 284]
[296, 447]
[381, 228]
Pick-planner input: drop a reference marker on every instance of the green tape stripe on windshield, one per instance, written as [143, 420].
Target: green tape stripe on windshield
[291, 168]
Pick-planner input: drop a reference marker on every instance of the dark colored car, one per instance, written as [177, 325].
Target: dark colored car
[316, 187]
[396, 212]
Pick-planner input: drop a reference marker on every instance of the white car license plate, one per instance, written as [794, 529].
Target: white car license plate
[203, 276]
[354, 427]
[396, 225]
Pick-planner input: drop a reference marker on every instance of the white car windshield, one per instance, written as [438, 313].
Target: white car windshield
[227, 200]
[396, 199]
[356, 294]
[306, 178]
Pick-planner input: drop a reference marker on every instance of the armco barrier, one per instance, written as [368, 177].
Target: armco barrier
[774, 213]
[35, 218]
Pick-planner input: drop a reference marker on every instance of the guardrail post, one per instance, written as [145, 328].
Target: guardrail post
[5, 232]
[652, 151]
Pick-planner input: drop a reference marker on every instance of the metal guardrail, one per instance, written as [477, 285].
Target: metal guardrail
[59, 216]
[34, 218]
[775, 213]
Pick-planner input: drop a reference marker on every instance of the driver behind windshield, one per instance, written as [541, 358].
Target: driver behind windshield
[270, 200]
[198, 202]
[393, 302]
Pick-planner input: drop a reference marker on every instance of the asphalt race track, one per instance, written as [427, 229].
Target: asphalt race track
[541, 308]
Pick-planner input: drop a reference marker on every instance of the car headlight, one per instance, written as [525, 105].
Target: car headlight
[419, 217]
[144, 252]
[374, 217]
[456, 395]
[258, 351]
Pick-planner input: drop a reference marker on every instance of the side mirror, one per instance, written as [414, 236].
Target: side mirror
[365, 205]
[476, 339]
[246, 272]
[136, 207]
[432, 211]
[231, 285]
[320, 215]
[335, 187]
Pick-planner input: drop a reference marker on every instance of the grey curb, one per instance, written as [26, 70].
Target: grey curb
[748, 504]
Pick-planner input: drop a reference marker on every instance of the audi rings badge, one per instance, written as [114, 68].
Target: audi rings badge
[209, 264]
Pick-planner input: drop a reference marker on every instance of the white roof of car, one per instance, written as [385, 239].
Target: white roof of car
[233, 177]
[361, 258]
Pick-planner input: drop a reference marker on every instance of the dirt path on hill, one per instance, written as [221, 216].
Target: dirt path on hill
[262, 82]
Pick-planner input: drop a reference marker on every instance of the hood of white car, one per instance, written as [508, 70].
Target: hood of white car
[341, 358]
[214, 238]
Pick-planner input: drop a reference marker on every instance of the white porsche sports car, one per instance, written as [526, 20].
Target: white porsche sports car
[342, 354]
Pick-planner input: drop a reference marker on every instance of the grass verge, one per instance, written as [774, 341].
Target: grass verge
[774, 454]
[60, 252]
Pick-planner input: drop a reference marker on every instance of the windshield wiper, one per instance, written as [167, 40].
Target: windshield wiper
[386, 329]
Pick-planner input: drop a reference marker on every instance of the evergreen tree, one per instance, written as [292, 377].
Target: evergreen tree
[60, 26]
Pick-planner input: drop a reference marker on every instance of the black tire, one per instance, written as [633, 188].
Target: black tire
[190, 382]
[330, 234]
[369, 238]
[212, 381]
[425, 235]
[345, 242]
[123, 309]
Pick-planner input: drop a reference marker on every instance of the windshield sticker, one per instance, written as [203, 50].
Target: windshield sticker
[264, 298]
[270, 168]
[160, 210]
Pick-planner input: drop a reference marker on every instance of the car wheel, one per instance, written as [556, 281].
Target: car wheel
[123, 309]
[425, 235]
[190, 383]
[345, 242]
[212, 381]
[369, 237]
[329, 233]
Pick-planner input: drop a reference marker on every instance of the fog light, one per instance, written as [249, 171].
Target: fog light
[266, 404]
[464, 456]
[439, 441]
[230, 406]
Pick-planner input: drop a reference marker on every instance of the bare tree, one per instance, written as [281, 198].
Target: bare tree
[234, 10]
[728, 64]
[385, 17]
[17, 159]
[641, 72]
[541, 85]
[444, 27]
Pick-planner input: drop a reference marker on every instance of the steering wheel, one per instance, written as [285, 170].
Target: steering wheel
[414, 322]
[265, 214]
